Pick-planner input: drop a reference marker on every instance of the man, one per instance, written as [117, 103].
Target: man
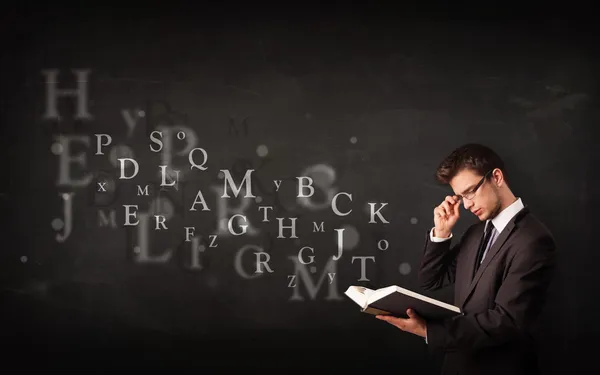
[501, 269]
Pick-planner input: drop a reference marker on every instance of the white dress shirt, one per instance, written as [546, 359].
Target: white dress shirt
[500, 222]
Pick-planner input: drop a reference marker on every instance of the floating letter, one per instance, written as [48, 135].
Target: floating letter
[373, 213]
[68, 216]
[363, 276]
[52, 93]
[65, 160]
[228, 181]
[311, 257]
[135, 165]
[334, 204]
[99, 143]
[305, 276]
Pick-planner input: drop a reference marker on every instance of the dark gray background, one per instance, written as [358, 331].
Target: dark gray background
[409, 85]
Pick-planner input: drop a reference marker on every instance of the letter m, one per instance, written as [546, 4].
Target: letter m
[141, 191]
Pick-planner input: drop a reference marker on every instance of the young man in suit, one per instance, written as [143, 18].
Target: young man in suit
[501, 269]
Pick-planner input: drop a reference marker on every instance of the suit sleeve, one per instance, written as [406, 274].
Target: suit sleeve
[518, 304]
[438, 264]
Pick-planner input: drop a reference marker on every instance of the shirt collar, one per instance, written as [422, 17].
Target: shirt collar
[502, 219]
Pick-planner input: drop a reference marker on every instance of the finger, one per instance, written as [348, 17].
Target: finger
[446, 208]
[393, 319]
[451, 199]
[399, 321]
[457, 209]
[412, 314]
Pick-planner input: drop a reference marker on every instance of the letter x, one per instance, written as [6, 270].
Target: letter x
[101, 186]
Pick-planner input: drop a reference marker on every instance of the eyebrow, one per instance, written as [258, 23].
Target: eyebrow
[467, 189]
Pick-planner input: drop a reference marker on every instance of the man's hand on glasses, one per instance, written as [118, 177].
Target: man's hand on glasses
[446, 215]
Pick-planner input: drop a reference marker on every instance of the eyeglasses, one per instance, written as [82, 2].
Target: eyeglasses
[470, 195]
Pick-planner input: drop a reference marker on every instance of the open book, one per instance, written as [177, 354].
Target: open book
[394, 300]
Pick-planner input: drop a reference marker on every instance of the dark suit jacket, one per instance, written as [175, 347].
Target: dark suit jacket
[501, 302]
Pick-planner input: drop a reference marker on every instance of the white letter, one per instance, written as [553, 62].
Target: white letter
[259, 262]
[189, 231]
[156, 140]
[201, 197]
[340, 243]
[376, 212]
[65, 160]
[334, 204]
[127, 214]
[99, 143]
[135, 165]
[386, 245]
[236, 190]
[292, 278]
[163, 171]
[53, 93]
[311, 257]
[363, 277]
[309, 186]
[68, 215]
[213, 238]
[243, 226]
[160, 220]
[265, 213]
[142, 192]
[194, 165]
[292, 227]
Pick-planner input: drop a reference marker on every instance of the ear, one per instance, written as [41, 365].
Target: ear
[498, 177]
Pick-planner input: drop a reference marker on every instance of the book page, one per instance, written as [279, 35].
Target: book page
[368, 292]
[357, 294]
[374, 295]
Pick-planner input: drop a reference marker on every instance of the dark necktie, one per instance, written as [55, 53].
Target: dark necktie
[484, 244]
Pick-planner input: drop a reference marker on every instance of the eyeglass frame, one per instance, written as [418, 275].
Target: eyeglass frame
[474, 190]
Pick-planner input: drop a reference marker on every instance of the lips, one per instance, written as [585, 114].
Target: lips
[477, 212]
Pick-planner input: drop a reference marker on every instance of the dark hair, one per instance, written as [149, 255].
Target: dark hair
[473, 156]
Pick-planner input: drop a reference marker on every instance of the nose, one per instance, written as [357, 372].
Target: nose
[467, 203]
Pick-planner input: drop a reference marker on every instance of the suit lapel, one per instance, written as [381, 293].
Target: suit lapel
[492, 251]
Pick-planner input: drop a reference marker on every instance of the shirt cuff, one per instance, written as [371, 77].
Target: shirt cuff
[438, 239]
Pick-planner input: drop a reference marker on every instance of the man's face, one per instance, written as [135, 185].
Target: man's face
[485, 204]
